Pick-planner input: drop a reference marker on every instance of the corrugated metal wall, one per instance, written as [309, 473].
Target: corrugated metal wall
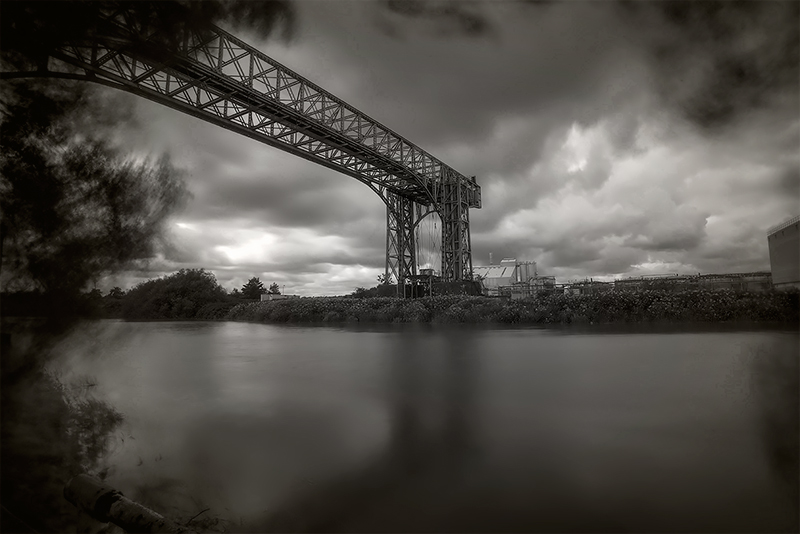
[784, 255]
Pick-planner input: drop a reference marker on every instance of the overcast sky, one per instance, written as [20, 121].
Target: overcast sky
[609, 138]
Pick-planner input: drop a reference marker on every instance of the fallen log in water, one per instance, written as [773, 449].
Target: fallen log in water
[106, 504]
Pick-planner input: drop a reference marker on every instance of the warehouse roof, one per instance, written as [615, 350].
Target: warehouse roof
[785, 224]
[495, 271]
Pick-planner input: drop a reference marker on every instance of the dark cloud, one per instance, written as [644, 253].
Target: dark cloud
[573, 252]
[446, 18]
[587, 125]
[261, 17]
[540, 73]
[716, 60]
[789, 182]
[685, 238]
[744, 252]
[297, 203]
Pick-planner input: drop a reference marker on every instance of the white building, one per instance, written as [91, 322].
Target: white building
[784, 253]
[507, 273]
[268, 296]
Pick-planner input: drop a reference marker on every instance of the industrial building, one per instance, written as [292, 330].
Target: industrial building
[495, 276]
[514, 278]
[268, 297]
[784, 253]
[588, 287]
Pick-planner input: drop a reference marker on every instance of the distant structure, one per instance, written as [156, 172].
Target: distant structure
[520, 279]
[587, 287]
[513, 278]
[495, 276]
[266, 297]
[784, 253]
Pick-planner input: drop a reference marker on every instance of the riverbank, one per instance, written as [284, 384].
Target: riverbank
[607, 308]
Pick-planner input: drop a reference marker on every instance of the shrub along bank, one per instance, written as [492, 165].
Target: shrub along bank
[612, 307]
[187, 294]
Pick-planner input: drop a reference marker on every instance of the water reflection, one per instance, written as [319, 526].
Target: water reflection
[432, 399]
[776, 388]
[460, 391]
[430, 385]
[458, 429]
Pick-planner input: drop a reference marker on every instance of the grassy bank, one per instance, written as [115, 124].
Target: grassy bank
[614, 307]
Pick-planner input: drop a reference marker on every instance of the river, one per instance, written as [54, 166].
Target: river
[436, 428]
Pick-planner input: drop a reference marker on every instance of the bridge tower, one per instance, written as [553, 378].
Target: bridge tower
[454, 197]
[154, 50]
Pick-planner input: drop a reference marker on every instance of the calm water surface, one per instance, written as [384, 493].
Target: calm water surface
[433, 428]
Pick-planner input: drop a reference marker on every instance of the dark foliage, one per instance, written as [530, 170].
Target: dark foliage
[187, 294]
[253, 289]
[364, 293]
[29, 31]
[618, 307]
[422, 290]
[214, 311]
[72, 209]
[274, 289]
[110, 305]
[49, 434]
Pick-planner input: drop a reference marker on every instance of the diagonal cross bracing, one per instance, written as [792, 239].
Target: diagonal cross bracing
[210, 74]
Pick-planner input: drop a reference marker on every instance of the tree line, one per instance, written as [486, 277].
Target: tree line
[254, 288]
[186, 294]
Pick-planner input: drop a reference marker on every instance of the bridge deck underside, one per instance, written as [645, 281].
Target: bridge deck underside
[212, 75]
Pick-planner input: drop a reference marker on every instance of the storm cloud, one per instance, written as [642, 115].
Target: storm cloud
[610, 139]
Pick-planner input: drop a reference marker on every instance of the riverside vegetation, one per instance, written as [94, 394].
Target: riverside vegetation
[612, 307]
[195, 294]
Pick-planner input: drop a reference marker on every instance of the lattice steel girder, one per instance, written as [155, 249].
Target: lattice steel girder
[401, 247]
[456, 243]
[211, 74]
[208, 73]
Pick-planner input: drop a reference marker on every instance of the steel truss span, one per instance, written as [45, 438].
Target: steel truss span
[210, 74]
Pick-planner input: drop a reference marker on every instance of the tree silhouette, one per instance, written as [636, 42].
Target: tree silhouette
[253, 289]
[177, 296]
[274, 289]
[116, 293]
[72, 209]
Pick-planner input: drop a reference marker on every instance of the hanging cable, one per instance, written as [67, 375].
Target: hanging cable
[417, 246]
[430, 243]
[435, 235]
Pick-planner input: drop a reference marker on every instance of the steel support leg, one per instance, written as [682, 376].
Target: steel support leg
[401, 250]
[456, 244]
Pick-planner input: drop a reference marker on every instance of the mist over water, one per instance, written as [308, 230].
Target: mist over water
[423, 428]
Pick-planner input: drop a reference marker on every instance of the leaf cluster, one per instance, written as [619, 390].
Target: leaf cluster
[73, 207]
[30, 31]
[178, 296]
